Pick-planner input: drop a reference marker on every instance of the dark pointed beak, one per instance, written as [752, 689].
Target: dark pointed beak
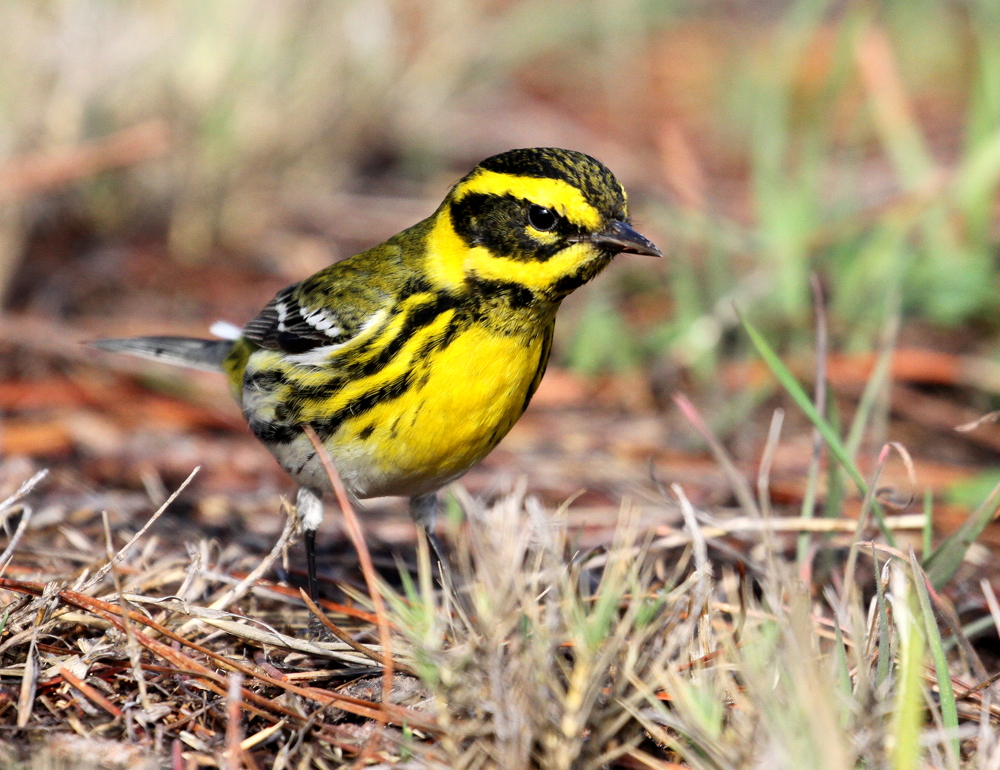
[620, 237]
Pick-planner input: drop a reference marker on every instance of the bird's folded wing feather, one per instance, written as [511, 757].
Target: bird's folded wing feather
[328, 309]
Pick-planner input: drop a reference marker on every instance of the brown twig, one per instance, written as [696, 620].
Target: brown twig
[367, 567]
[85, 689]
[352, 612]
[382, 712]
[234, 733]
[347, 639]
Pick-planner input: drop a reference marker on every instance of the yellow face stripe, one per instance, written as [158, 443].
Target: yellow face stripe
[555, 194]
[537, 276]
[450, 260]
[446, 253]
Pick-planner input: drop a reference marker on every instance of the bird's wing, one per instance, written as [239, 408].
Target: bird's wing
[287, 323]
[330, 308]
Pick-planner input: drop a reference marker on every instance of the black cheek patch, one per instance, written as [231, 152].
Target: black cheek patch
[500, 224]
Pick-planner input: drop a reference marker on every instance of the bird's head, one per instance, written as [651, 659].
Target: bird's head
[542, 219]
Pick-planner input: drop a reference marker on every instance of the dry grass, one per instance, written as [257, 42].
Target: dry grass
[674, 656]
[650, 655]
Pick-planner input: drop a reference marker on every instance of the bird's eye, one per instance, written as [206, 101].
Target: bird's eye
[541, 218]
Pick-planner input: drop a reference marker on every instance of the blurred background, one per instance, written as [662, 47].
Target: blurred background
[168, 163]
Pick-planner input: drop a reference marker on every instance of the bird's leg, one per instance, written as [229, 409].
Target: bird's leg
[424, 509]
[313, 581]
[309, 508]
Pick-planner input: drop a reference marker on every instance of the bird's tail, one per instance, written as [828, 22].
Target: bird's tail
[182, 351]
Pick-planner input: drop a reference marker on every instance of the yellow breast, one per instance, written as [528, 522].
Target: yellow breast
[463, 400]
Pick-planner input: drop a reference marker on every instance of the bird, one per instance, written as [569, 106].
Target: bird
[413, 359]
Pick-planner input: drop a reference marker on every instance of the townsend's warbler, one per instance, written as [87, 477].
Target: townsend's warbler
[413, 359]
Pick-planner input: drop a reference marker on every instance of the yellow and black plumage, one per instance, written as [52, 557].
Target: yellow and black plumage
[413, 359]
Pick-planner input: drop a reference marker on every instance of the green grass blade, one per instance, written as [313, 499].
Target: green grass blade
[908, 711]
[834, 474]
[946, 558]
[946, 693]
[801, 398]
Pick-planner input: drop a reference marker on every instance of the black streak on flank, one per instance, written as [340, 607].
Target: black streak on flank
[421, 316]
[363, 404]
[305, 462]
[414, 285]
[282, 412]
[270, 432]
[264, 380]
[497, 434]
[320, 390]
[515, 295]
[366, 432]
[543, 362]
[440, 342]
